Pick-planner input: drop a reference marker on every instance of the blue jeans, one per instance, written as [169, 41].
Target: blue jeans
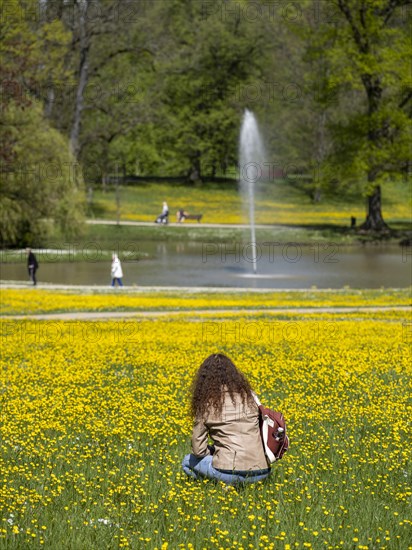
[119, 280]
[201, 468]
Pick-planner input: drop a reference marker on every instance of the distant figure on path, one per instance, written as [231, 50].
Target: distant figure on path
[181, 215]
[32, 265]
[117, 272]
[164, 216]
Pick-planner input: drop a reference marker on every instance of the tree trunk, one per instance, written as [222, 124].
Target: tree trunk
[78, 110]
[83, 80]
[195, 170]
[374, 219]
[49, 102]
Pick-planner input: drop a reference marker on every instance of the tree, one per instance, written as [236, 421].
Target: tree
[40, 182]
[300, 103]
[102, 57]
[372, 55]
[210, 58]
[41, 189]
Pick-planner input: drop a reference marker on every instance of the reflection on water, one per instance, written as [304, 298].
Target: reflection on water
[229, 265]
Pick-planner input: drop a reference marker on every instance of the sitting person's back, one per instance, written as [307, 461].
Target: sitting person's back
[235, 433]
[224, 411]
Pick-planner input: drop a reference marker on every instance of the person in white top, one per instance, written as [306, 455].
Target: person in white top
[117, 272]
[164, 216]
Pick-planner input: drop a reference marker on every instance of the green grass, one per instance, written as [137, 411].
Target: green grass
[280, 202]
[106, 235]
[285, 210]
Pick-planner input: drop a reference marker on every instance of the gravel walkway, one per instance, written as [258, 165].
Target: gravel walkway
[101, 315]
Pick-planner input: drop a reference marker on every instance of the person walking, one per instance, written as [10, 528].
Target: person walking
[117, 272]
[164, 216]
[224, 410]
[32, 266]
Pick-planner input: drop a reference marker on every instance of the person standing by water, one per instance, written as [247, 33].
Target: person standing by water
[32, 266]
[117, 272]
[224, 410]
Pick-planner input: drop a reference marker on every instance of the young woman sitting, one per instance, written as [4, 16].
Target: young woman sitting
[224, 410]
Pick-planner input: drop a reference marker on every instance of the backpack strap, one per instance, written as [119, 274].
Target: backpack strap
[259, 405]
[256, 399]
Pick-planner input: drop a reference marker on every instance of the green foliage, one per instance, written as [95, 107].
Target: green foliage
[349, 126]
[370, 61]
[159, 88]
[200, 109]
[41, 190]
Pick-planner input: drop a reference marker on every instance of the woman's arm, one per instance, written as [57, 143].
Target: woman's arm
[200, 439]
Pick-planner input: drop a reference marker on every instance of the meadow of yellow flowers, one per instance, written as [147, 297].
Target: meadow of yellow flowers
[14, 301]
[95, 423]
[274, 203]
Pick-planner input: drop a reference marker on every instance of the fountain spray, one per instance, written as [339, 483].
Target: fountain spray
[251, 156]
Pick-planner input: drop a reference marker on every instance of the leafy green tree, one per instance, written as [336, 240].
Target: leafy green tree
[298, 102]
[106, 107]
[210, 59]
[347, 127]
[371, 60]
[41, 187]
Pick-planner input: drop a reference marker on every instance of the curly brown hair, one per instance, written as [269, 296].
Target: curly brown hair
[217, 374]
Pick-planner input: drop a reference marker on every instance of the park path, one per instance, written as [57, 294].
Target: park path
[103, 315]
[183, 224]
[107, 315]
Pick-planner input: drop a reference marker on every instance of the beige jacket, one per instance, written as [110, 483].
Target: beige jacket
[235, 434]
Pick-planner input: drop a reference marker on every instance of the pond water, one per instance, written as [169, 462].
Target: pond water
[286, 265]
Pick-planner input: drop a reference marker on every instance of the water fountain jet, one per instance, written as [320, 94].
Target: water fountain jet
[251, 157]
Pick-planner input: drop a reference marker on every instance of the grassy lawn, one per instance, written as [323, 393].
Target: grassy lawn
[287, 212]
[95, 424]
[280, 202]
[106, 235]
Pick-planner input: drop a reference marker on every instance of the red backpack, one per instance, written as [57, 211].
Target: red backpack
[273, 431]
